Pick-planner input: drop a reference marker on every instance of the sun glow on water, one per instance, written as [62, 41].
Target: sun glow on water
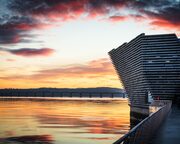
[64, 121]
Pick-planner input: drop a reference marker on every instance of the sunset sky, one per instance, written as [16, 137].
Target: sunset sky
[65, 43]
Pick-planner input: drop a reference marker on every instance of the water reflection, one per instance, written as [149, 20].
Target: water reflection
[35, 139]
[64, 121]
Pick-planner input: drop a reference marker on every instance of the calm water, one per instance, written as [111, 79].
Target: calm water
[62, 121]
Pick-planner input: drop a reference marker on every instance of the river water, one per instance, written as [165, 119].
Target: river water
[63, 121]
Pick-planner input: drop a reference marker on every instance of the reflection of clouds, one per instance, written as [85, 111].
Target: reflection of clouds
[68, 120]
[39, 139]
[102, 138]
[9, 133]
[99, 138]
[90, 124]
[97, 117]
[92, 118]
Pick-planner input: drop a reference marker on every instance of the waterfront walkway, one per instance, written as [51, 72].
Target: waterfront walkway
[169, 132]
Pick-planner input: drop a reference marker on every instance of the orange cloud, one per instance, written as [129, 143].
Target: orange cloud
[118, 18]
[91, 74]
[95, 68]
[158, 23]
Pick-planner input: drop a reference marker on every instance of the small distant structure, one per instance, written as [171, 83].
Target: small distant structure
[150, 98]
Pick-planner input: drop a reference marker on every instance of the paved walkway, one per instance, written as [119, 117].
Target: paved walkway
[169, 132]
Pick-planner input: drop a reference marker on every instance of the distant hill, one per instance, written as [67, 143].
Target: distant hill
[57, 92]
[98, 89]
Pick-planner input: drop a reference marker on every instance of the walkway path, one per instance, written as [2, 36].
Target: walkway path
[169, 132]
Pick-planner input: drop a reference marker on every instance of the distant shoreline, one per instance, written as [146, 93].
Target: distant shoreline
[62, 93]
[64, 98]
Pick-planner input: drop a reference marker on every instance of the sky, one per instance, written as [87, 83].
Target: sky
[65, 43]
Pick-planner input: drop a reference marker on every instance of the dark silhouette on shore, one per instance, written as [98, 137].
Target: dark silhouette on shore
[63, 92]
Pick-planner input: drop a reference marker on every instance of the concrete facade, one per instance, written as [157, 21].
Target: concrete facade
[149, 64]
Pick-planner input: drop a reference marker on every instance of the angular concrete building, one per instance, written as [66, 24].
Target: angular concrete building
[149, 65]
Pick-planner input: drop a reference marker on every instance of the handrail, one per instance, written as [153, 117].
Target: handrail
[143, 131]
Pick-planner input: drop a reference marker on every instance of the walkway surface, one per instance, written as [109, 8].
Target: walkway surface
[169, 132]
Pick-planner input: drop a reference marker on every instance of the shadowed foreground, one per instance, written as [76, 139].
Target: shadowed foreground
[170, 129]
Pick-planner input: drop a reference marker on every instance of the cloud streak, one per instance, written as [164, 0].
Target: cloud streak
[92, 69]
[94, 73]
[29, 52]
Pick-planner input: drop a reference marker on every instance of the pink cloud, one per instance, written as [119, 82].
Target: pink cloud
[118, 18]
[93, 69]
[10, 60]
[29, 52]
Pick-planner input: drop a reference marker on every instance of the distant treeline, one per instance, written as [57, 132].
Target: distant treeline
[63, 92]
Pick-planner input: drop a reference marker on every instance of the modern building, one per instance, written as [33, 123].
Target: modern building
[149, 65]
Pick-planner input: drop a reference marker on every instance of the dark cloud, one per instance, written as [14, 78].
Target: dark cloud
[166, 17]
[67, 6]
[50, 7]
[164, 9]
[14, 29]
[169, 13]
[27, 15]
[29, 52]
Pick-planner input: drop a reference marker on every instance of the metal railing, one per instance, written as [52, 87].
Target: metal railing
[143, 131]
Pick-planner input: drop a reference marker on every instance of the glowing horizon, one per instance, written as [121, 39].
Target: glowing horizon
[65, 43]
